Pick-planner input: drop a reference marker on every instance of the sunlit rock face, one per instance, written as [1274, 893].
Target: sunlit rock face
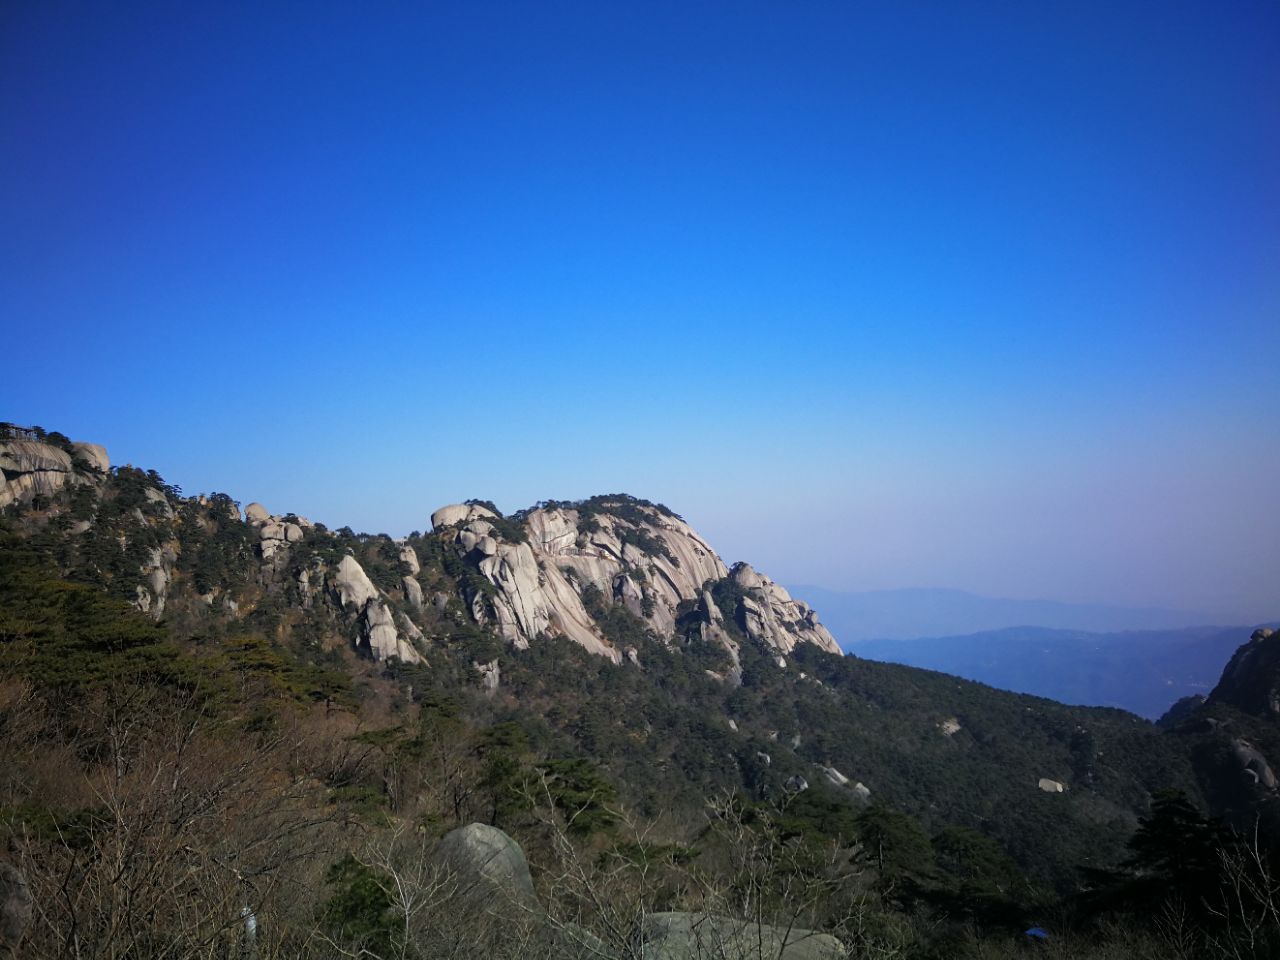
[30, 468]
[542, 565]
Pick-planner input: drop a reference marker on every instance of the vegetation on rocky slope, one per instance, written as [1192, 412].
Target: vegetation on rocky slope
[162, 775]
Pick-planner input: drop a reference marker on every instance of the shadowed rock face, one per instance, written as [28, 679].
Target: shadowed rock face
[1251, 681]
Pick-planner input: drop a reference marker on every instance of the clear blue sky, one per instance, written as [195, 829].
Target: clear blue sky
[982, 295]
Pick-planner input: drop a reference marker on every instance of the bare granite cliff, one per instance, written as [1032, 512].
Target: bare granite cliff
[624, 551]
[610, 573]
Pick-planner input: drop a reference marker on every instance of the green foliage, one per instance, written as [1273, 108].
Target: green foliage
[72, 636]
[510, 529]
[359, 910]
[581, 793]
[897, 845]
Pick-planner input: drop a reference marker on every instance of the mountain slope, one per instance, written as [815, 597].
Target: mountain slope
[610, 634]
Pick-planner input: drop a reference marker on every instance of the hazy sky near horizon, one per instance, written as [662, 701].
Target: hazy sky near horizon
[975, 295]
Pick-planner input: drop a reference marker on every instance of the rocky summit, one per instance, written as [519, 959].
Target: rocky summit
[528, 577]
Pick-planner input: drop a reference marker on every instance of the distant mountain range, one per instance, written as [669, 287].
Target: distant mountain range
[1143, 671]
[907, 614]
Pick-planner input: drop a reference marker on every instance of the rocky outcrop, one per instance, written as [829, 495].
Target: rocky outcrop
[1251, 680]
[152, 595]
[1253, 764]
[1051, 786]
[700, 936]
[93, 455]
[769, 615]
[377, 633]
[627, 552]
[275, 533]
[32, 468]
[486, 866]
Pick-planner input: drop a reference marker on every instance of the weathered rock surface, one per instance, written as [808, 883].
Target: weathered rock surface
[93, 454]
[32, 468]
[378, 635]
[642, 557]
[488, 866]
[770, 615]
[256, 513]
[1253, 764]
[699, 936]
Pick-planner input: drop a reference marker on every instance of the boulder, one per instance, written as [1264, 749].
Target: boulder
[458, 513]
[94, 455]
[350, 582]
[488, 866]
[835, 777]
[1051, 786]
[409, 557]
[256, 513]
[700, 936]
[412, 592]
[1253, 764]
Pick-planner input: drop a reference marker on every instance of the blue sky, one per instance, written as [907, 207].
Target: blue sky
[876, 295]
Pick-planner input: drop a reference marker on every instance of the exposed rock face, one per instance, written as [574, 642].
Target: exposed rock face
[31, 468]
[256, 513]
[1051, 786]
[769, 614]
[1253, 764]
[835, 777]
[94, 455]
[638, 555]
[412, 593]
[488, 866]
[1251, 681]
[378, 635]
[410, 559]
[695, 936]
[490, 676]
[275, 533]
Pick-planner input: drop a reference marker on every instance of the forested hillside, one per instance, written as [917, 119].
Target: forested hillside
[200, 718]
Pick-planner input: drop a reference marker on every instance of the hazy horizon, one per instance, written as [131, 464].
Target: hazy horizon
[876, 298]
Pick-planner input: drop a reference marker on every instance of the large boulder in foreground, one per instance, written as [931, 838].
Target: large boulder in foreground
[488, 866]
[700, 936]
